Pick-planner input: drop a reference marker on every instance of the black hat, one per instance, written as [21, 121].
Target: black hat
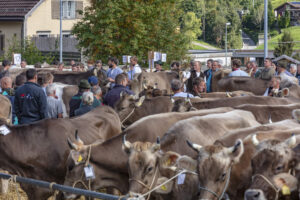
[283, 64]
[84, 84]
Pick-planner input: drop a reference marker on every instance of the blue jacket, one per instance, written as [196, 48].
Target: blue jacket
[74, 103]
[82, 110]
[114, 95]
[30, 103]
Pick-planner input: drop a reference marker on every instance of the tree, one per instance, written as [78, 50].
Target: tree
[191, 25]
[126, 27]
[284, 21]
[285, 45]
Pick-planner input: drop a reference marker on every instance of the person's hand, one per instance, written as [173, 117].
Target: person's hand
[111, 80]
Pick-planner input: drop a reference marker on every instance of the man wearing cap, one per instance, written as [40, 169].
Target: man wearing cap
[158, 66]
[75, 102]
[93, 81]
[282, 72]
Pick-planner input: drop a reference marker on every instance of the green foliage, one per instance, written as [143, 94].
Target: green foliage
[285, 45]
[126, 27]
[30, 52]
[273, 33]
[284, 21]
[191, 25]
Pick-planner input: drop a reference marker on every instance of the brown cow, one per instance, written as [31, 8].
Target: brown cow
[256, 86]
[5, 109]
[174, 140]
[108, 159]
[273, 157]
[40, 150]
[131, 109]
[162, 80]
[226, 94]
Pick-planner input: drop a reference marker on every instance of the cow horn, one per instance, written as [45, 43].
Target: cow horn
[156, 146]
[296, 115]
[228, 95]
[291, 142]
[233, 151]
[78, 138]
[126, 144]
[155, 86]
[172, 100]
[270, 119]
[72, 145]
[255, 140]
[196, 147]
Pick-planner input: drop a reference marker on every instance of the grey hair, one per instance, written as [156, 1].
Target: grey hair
[87, 98]
[96, 90]
[293, 66]
[50, 89]
[176, 84]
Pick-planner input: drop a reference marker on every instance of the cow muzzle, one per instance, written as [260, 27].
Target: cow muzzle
[254, 194]
[69, 196]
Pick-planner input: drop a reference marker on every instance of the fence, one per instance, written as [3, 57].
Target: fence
[63, 188]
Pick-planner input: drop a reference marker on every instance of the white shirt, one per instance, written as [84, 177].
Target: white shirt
[137, 69]
[183, 94]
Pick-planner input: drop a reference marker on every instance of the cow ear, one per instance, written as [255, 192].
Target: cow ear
[76, 157]
[156, 146]
[291, 142]
[286, 182]
[166, 188]
[285, 92]
[235, 152]
[169, 159]
[140, 101]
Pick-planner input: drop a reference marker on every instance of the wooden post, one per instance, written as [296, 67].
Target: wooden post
[150, 58]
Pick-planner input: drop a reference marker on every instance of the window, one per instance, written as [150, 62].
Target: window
[43, 33]
[66, 34]
[1, 42]
[69, 9]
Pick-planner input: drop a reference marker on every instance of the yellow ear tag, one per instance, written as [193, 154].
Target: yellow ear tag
[79, 158]
[163, 187]
[285, 190]
[138, 104]
[168, 162]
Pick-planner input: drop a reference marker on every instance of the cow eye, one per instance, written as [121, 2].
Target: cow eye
[279, 168]
[150, 169]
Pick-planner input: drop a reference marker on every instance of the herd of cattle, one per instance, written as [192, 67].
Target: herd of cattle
[233, 143]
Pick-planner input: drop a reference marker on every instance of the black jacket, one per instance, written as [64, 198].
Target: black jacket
[75, 103]
[114, 95]
[30, 103]
[189, 86]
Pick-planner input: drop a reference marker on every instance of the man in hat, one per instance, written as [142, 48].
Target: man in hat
[158, 66]
[75, 102]
[93, 81]
[282, 72]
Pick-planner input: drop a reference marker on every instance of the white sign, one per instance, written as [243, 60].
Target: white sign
[181, 179]
[89, 172]
[128, 59]
[17, 58]
[124, 59]
[156, 56]
[4, 130]
[164, 57]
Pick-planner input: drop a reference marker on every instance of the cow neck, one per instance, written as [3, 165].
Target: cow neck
[109, 154]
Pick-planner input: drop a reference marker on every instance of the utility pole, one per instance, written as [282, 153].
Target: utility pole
[227, 24]
[60, 31]
[266, 30]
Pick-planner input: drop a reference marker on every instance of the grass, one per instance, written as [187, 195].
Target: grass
[295, 31]
[197, 47]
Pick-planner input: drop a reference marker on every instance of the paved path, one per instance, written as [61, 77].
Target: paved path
[248, 43]
[205, 46]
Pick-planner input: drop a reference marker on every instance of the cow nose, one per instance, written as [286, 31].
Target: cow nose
[254, 195]
[135, 195]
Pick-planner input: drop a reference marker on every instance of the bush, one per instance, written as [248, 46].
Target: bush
[30, 52]
[273, 33]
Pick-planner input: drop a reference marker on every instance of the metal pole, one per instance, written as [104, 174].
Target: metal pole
[266, 30]
[226, 45]
[60, 32]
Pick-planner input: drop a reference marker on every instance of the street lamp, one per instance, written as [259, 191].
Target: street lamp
[266, 29]
[60, 31]
[242, 38]
[227, 24]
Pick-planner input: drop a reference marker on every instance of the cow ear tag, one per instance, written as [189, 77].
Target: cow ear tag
[79, 158]
[4, 130]
[285, 190]
[89, 172]
[180, 179]
[163, 187]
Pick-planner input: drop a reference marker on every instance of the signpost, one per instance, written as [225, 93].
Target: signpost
[154, 56]
[17, 58]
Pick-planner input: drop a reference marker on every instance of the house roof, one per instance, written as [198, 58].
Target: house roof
[295, 4]
[15, 8]
[290, 59]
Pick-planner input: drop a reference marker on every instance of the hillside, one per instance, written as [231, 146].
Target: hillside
[295, 30]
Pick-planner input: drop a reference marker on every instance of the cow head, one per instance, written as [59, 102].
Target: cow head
[214, 167]
[272, 158]
[149, 167]
[126, 104]
[183, 105]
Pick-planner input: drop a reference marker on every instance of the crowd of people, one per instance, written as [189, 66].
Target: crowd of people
[32, 102]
